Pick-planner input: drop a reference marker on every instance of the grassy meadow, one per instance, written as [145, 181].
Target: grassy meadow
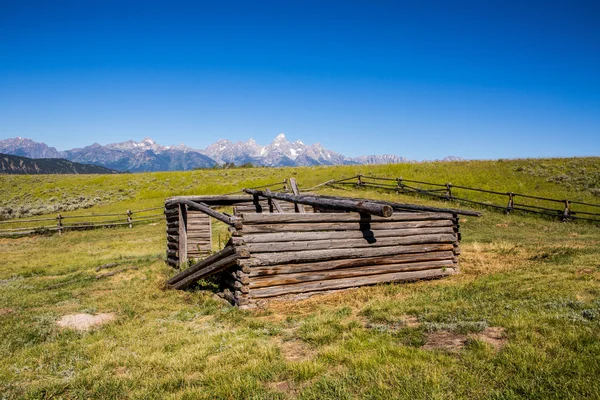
[521, 320]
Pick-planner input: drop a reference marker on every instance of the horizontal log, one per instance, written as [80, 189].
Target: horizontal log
[361, 206]
[348, 282]
[215, 200]
[349, 263]
[349, 243]
[416, 207]
[265, 259]
[352, 234]
[208, 270]
[341, 226]
[237, 275]
[234, 284]
[340, 217]
[173, 231]
[173, 262]
[287, 279]
[172, 253]
[173, 246]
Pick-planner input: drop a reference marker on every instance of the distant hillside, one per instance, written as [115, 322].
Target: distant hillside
[27, 166]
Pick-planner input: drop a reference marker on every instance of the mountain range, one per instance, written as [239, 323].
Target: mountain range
[148, 155]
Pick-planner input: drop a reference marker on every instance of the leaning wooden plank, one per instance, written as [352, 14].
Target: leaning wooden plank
[353, 234]
[340, 217]
[208, 270]
[227, 251]
[206, 209]
[265, 259]
[341, 226]
[277, 280]
[349, 243]
[348, 282]
[349, 263]
[362, 206]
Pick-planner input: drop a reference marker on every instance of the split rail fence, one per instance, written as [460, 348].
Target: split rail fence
[62, 223]
[507, 202]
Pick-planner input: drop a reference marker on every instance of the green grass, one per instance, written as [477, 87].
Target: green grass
[539, 280]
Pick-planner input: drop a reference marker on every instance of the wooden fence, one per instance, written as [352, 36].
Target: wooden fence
[62, 223]
[507, 202]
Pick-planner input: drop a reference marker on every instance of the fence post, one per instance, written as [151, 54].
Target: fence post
[400, 187]
[566, 212]
[129, 219]
[359, 182]
[59, 225]
[285, 185]
[448, 191]
[511, 202]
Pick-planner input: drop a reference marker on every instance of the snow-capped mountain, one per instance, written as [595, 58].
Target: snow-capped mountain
[27, 148]
[148, 155]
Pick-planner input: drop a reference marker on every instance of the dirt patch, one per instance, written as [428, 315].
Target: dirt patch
[445, 340]
[85, 322]
[283, 386]
[295, 351]
[6, 311]
[410, 321]
[121, 371]
[585, 271]
[493, 335]
[454, 342]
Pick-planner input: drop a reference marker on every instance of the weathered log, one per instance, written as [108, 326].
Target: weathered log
[340, 217]
[361, 206]
[416, 207]
[173, 262]
[237, 275]
[353, 234]
[264, 259]
[341, 226]
[208, 270]
[287, 279]
[227, 294]
[173, 231]
[350, 263]
[234, 284]
[227, 251]
[349, 243]
[207, 210]
[349, 282]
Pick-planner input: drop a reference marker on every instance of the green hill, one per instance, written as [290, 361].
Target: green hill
[16, 165]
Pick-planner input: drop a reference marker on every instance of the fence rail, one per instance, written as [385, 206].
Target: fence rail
[128, 218]
[449, 192]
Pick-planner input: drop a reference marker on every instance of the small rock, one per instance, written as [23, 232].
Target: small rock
[85, 322]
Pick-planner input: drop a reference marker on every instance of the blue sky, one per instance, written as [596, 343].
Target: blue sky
[420, 79]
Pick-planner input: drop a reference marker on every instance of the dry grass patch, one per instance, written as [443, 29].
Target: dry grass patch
[85, 322]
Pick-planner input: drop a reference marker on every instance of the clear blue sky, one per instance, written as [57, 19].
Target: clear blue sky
[481, 79]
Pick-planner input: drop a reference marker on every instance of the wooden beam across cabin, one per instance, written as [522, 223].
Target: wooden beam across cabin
[207, 210]
[337, 203]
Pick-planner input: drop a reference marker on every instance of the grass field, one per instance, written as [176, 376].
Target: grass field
[533, 283]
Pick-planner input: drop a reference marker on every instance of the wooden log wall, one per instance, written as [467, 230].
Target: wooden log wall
[188, 234]
[199, 237]
[293, 254]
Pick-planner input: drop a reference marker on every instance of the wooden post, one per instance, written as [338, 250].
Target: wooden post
[448, 191]
[182, 235]
[359, 181]
[285, 185]
[59, 224]
[511, 202]
[129, 219]
[400, 186]
[567, 211]
[299, 207]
